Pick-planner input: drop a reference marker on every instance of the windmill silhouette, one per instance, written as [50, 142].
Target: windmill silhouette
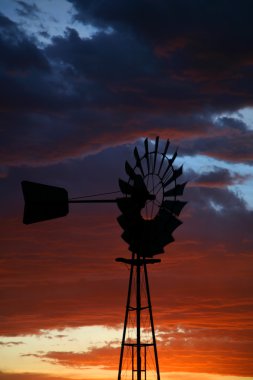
[149, 214]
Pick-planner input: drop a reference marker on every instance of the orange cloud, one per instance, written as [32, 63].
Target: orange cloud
[106, 357]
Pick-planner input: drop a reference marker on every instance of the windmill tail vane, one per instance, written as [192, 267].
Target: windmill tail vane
[150, 208]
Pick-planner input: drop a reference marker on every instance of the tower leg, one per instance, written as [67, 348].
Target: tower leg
[126, 319]
[151, 321]
[138, 316]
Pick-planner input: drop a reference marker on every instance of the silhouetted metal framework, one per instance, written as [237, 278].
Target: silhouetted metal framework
[149, 215]
[137, 305]
[150, 211]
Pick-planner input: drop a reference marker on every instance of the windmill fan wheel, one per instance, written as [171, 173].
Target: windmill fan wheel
[150, 204]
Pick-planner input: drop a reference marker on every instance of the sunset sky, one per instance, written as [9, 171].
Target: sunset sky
[82, 83]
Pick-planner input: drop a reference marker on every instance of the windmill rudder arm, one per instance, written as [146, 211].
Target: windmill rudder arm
[93, 201]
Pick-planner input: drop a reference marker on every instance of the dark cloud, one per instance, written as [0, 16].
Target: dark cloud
[226, 147]
[172, 17]
[5, 22]
[217, 178]
[226, 138]
[27, 10]
[18, 54]
[206, 37]
[119, 85]
[107, 57]
[232, 124]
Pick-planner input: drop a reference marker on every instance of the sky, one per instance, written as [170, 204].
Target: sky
[82, 83]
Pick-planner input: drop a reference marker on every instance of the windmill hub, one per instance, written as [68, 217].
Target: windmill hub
[151, 197]
[155, 199]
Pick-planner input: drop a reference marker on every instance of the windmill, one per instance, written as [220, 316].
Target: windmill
[149, 208]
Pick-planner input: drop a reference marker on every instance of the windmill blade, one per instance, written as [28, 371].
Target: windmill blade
[165, 224]
[129, 170]
[164, 154]
[127, 237]
[152, 250]
[140, 187]
[132, 226]
[138, 160]
[129, 208]
[149, 243]
[123, 222]
[177, 173]
[168, 222]
[125, 205]
[175, 207]
[167, 240]
[172, 159]
[169, 167]
[170, 162]
[147, 153]
[155, 152]
[177, 190]
[125, 187]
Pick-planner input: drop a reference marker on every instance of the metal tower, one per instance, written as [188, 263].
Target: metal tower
[149, 216]
[138, 342]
